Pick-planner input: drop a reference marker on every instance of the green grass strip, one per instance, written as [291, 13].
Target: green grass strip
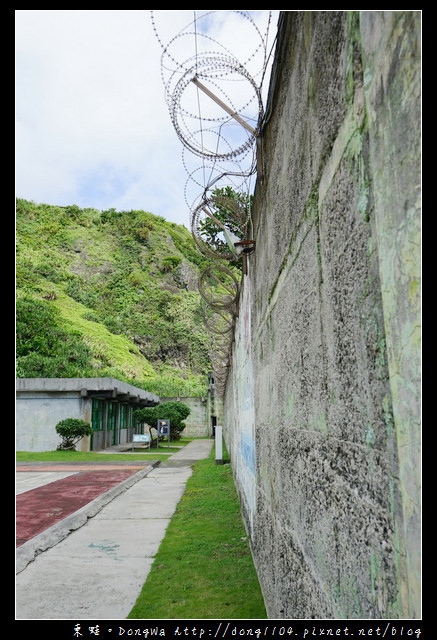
[203, 567]
[81, 456]
[161, 453]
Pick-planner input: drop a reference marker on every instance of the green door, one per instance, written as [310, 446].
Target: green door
[111, 423]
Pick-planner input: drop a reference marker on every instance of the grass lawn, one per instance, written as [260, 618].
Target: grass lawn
[79, 456]
[204, 566]
[160, 453]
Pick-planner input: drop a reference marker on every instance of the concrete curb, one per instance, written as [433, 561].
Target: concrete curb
[28, 551]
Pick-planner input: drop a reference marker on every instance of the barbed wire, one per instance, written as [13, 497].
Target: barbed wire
[216, 108]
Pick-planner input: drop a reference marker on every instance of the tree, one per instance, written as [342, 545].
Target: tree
[71, 431]
[44, 349]
[232, 210]
[174, 411]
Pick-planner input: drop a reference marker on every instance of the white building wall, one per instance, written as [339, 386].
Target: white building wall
[38, 415]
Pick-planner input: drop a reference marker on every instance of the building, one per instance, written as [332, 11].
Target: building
[106, 403]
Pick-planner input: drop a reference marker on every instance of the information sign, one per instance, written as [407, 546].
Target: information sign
[163, 428]
[141, 437]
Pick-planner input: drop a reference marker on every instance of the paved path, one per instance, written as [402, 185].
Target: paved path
[92, 563]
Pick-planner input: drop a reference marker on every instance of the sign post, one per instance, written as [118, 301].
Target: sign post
[219, 444]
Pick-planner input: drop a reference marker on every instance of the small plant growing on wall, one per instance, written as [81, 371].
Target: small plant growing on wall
[71, 431]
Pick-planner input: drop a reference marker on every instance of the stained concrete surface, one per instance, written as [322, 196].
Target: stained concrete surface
[97, 570]
[322, 407]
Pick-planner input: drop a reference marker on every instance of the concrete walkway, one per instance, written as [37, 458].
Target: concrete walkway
[93, 564]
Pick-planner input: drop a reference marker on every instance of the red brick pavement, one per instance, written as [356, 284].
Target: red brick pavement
[40, 508]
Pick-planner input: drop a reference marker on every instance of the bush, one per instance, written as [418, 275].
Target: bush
[44, 349]
[71, 431]
[170, 263]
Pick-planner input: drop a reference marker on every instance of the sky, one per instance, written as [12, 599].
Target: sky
[93, 127]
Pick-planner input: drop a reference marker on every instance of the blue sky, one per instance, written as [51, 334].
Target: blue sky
[92, 124]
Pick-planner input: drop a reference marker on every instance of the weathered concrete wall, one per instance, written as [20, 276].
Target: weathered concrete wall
[321, 411]
[38, 413]
[197, 423]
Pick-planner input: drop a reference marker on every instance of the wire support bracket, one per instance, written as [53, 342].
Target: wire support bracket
[224, 106]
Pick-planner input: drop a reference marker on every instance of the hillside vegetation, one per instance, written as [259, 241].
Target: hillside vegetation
[109, 294]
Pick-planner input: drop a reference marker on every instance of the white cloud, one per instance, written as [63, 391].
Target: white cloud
[92, 125]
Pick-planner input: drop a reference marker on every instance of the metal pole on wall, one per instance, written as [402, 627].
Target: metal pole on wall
[219, 444]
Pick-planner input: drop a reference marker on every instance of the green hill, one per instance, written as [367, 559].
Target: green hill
[109, 294]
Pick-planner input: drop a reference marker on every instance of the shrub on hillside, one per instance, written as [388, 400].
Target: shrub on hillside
[44, 349]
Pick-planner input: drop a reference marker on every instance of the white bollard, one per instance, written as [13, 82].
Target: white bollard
[219, 444]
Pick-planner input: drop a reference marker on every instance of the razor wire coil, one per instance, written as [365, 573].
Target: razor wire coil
[216, 108]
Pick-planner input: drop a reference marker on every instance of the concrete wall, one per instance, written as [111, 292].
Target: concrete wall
[322, 405]
[197, 423]
[37, 415]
